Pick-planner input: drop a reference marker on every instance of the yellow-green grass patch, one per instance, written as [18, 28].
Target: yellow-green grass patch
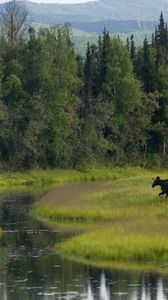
[118, 244]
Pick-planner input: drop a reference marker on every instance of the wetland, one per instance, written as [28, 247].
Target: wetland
[38, 258]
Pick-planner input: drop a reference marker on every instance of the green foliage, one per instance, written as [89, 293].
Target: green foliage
[58, 109]
[40, 92]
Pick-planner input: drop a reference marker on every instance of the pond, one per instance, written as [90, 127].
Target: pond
[31, 269]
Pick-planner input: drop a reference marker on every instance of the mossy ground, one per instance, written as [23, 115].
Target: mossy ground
[123, 220]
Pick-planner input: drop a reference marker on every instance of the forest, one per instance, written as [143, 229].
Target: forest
[59, 109]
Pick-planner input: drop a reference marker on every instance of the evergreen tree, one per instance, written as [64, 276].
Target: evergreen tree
[132, 47]
[103, 57]
[162, 33]
[122, 91]
[128, 45]
[90, 78]
[148, 72]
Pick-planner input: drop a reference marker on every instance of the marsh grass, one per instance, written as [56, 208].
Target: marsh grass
[126, 222]
[38, 178]
[118, 245]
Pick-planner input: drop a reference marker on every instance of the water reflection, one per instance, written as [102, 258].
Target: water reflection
[140, 288]
[31, 269]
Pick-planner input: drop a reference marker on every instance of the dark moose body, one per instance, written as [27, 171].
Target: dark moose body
[163, 183]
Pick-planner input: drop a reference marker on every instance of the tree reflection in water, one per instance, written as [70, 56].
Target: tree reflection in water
[140, 287]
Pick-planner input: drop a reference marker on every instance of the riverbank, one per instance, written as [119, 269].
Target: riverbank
[122, 221]
[39, 178]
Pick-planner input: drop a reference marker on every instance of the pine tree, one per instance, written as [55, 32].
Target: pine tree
[132, 47]
[161, 41]
[128, 45]
[90, 78]
[104, 57]
[87, 73]
[162, 37]
[148, 69]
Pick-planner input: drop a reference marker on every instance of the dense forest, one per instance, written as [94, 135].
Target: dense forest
[59, 109]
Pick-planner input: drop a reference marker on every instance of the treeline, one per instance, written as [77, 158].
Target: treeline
[58, 109]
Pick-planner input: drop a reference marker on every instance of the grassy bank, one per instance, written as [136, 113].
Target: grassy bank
[55, 176]
[39, 180]
[123, 221]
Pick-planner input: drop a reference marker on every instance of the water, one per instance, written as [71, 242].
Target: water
[31, 269]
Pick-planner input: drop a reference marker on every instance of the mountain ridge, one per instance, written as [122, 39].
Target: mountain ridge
[117, 16]
[105, 9]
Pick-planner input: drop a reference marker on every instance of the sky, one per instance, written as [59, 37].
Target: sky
[63, 1]
[57, 1]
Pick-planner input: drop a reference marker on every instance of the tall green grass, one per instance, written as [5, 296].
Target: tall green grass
[57, 176]
[118, 244]
[37, 181]
[39, 177]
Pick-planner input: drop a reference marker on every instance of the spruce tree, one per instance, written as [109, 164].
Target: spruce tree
[132, 47]
[128, 44]
[162, 38]
[104, 57]
[148, 69]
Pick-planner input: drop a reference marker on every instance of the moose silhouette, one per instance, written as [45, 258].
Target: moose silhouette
[163, 183]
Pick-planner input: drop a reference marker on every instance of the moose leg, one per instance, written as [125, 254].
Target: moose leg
[162, 193]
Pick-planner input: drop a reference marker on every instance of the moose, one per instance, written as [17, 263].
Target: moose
[163, 183]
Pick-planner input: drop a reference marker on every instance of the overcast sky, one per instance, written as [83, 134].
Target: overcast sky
[62, 1]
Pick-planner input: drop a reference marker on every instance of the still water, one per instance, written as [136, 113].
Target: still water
[31, 269]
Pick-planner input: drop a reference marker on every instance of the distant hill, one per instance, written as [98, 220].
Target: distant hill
[115, 26]
[88, 20]
[80, 38]
[117, 16]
